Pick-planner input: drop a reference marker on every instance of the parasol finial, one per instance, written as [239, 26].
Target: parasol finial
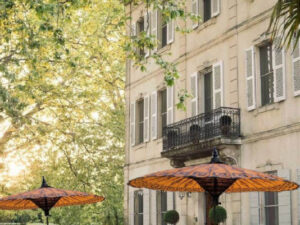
[44, 183]
[215, 156]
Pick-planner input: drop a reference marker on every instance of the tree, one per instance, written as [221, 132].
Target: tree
[285, 21]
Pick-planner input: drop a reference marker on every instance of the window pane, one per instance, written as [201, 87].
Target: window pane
[272, 216]
[208, 95]
[164, 35]
[207, 10]
[140, 119]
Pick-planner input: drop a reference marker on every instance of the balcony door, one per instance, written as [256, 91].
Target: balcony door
[208, 92]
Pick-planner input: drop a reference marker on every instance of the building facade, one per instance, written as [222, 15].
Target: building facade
[245, 101]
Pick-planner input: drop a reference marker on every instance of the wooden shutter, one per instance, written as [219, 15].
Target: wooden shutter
[195, 12]
[296, 69]
[279, 73]
[133, 29]
[146, 206]
[250, 79]
[131, 206]
[170, 31]
[154, 29]
[154, 115]
[147, 31]
[170, 103]
[284, 201]
[254, 208]
[215, 7]
[218, 85]
[132, 124]
[146, 118]
[298, 181]
[153, 207]
[194, 92]
[170, 200]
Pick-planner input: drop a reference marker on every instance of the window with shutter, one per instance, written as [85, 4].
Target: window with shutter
[218, 85]
[296, 69]
[195, 12]
[138, 208]
[161, 206]
[279, 73]
[132, 124]
[284, 201]
[215, 7]
[170, 103]
[162, 111]
[154, 28]
[146, 118]
[170, 31]
[194, 92]
[254, 208]
[250, 79]
[140, 122]
[140, 27]
[154, 115]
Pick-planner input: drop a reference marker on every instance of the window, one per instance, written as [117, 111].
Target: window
[162, 110]
[140, 28]
[138, 208]
[206, 10]
[162, 31]
[161, 207]
[208, 91]
[140, 122]
[266, 74]
[271, 207]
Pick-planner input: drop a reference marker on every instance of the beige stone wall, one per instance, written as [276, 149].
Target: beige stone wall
[271, 134]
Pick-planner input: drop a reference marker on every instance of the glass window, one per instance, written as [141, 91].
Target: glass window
[161, 201]
[266, 73]
[207, 10]
[208, 92]
[140, 28]
[271, 207]
[140, 121]
[138, 208]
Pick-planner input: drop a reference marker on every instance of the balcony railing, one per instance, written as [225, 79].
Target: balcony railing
[221, 122]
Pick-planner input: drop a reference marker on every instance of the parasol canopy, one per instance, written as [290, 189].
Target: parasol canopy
[214, 178]
[47, 197]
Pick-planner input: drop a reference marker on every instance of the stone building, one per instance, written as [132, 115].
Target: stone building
[245, 102]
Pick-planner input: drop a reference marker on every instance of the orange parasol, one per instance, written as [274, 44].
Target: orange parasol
[47, 197]
[214, 178]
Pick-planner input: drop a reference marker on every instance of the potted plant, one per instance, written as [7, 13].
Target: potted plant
[217, 214]
[171, 217]
[172, 136]
[225, 124]
[195, 132]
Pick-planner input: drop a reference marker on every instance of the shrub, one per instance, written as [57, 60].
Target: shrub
[217, 214]
[171, 216]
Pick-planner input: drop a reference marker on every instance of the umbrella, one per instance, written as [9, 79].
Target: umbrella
[213, 178]
[47, 197]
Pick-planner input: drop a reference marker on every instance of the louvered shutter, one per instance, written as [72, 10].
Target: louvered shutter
[296, 69]
[133, 29]
[146, 118]
[146, 206]
[170, 103]
[170, 31]
[254, 208]
[147, 31]
[215, 7]
[170, 200]
[194, 92]
[154, 115]
[153, 208]
[298, 181]
[132, 124]
[154, 29]
[284, 201]
[195, 12]
[279, 73]
[218, 85]
[131, 207]
[250, 79]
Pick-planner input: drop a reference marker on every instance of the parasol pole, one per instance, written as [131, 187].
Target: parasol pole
[47, 217]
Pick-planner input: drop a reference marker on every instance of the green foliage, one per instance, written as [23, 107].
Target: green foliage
[217, 214]
[285, 21]
[171, 216]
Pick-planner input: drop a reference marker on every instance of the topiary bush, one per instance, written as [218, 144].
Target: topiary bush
[171, 216]
[217, 214]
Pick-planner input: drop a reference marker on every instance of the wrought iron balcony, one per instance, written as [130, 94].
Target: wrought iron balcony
[200, 132]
